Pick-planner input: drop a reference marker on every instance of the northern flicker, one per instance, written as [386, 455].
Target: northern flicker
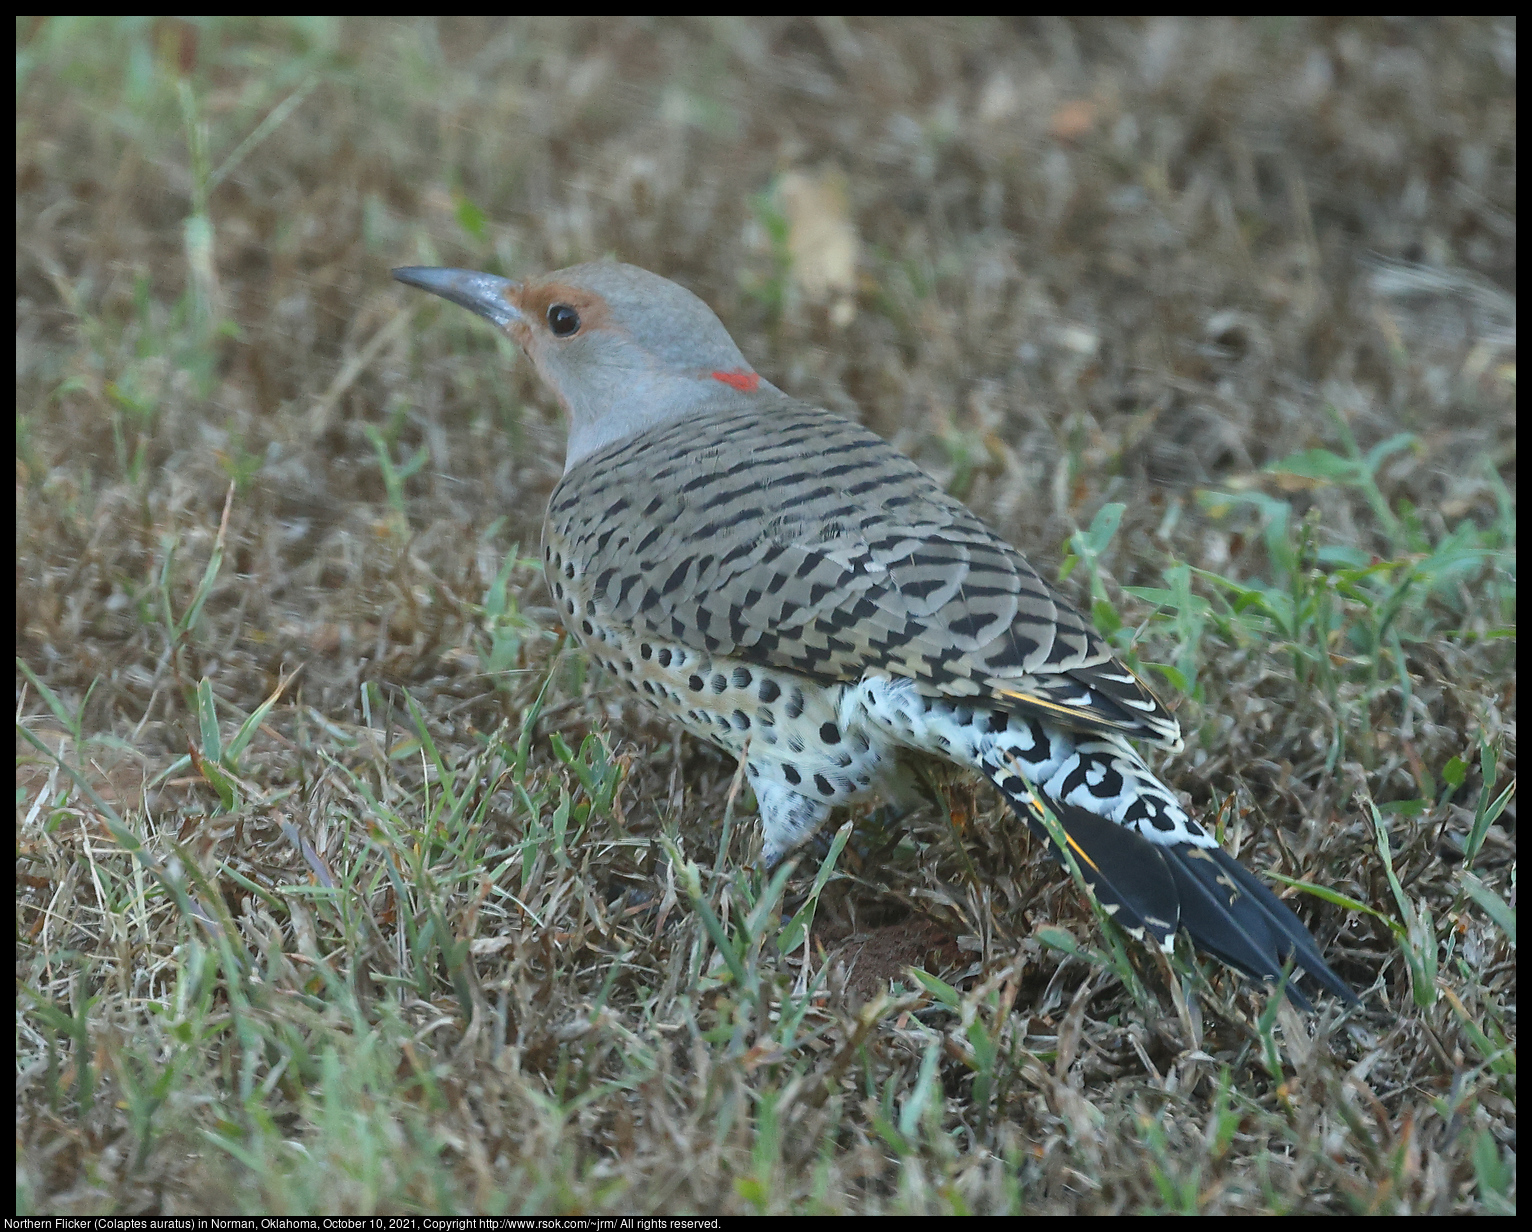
[787, 585]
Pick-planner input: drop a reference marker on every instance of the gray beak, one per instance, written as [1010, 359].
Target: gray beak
[485, 294]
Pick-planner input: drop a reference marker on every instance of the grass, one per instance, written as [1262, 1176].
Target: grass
[345, 885]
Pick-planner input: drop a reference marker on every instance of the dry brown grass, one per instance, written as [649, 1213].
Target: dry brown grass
[447, 927]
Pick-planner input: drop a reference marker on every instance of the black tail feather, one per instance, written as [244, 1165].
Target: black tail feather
[1154, 889]
[1234, 917]
[1127, 872]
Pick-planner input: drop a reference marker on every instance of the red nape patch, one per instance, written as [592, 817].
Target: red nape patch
[745, 382]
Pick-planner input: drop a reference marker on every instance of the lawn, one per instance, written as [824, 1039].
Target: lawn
[346, 885]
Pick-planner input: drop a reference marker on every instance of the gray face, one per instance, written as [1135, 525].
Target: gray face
[621, 348]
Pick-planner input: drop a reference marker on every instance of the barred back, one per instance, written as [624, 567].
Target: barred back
[790, 537]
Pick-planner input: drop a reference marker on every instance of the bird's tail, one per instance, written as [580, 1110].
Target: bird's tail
[1152, 889]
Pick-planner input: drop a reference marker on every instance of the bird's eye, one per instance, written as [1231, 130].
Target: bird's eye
[563, 320]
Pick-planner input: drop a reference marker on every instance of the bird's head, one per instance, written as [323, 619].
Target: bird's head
[624, 350]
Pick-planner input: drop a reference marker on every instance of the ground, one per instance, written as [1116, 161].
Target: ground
[345, 886]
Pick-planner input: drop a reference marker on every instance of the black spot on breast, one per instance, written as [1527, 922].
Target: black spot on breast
[719, 684]
[790, 773]
[694, 683]
[829, 733]
[645, 651]
[741, 720]
[769, 692]
[795, 703]
[664, 658]
[741, 678]
[825, 789]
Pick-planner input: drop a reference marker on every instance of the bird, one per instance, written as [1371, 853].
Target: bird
[788, 586]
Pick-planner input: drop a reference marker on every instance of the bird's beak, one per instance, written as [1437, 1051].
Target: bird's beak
[491, 297]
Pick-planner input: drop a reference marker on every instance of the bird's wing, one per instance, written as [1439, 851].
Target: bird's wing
[793, 538]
